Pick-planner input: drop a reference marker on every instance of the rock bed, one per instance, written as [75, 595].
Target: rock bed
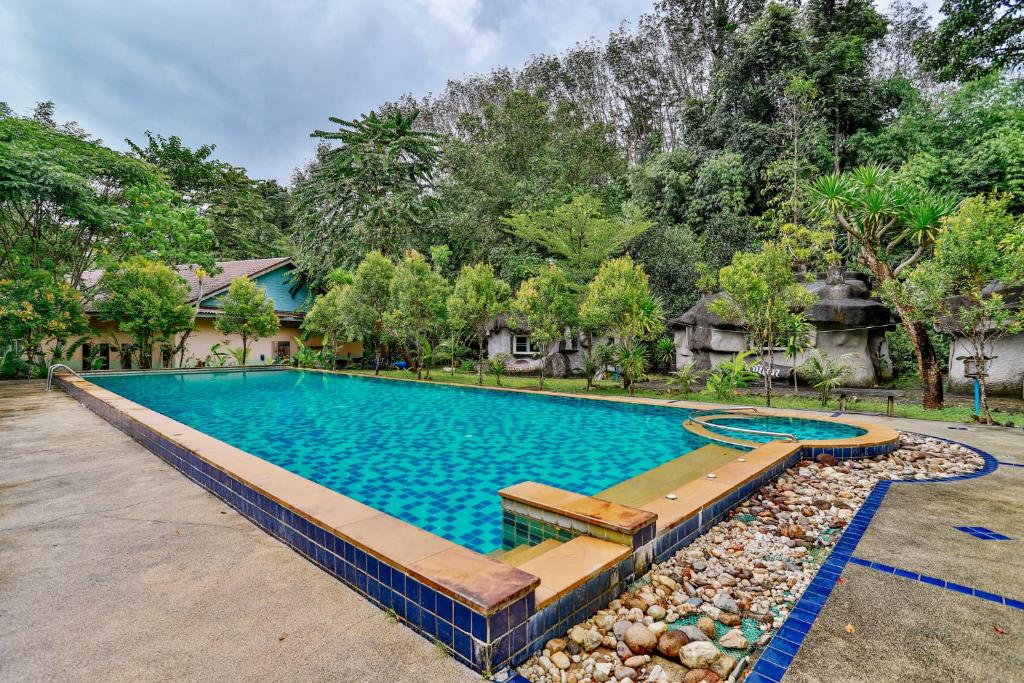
[693, 617]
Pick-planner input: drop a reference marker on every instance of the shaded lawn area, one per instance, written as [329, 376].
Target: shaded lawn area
[573, 385]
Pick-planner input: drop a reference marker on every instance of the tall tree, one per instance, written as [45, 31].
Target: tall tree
[365, 301]
[962, 287]
[148, 301]
[247, 311]
[249, 218]
[477, 298]
[370, 192]
[68, 205]
[579, 233]
[890, 227]
[975, 37]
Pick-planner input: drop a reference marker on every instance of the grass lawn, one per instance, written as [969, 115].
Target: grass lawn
[609, 388]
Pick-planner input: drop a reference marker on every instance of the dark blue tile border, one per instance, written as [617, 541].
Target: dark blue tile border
[1011, 464]
[982, 534]
[775, 659]
[940, 583]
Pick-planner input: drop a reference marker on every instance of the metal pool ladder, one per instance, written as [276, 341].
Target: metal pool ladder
[52, 371]
[697, 414]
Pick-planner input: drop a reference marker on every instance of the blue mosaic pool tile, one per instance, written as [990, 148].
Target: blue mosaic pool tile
[982, 533]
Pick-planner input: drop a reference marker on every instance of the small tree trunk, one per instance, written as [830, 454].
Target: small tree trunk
[245, 349]
[927, 363]
[985, 413]
[480, 363]
[768, 377]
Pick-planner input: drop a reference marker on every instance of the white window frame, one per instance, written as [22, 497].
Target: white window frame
[515, 345]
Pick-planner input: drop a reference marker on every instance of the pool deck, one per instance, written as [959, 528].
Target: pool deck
[113, 566]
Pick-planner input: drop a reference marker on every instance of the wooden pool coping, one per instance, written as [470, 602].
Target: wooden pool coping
[481, 583]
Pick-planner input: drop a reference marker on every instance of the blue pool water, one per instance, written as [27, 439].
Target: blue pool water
[432, 455]
[802, 429]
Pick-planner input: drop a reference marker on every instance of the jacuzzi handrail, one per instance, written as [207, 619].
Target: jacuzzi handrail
[53, 368]
[708, 425]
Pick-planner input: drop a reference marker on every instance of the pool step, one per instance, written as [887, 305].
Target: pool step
[524, 553]
[667, 477]
[564, 567]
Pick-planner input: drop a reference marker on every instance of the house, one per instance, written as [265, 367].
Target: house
[1005, 367]
[846, 321]
[112, 346]
[562, 358]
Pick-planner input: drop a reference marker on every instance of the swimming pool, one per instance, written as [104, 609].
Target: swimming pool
[433, 455]
[803, 429]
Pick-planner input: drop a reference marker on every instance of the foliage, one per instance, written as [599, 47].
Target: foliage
[249, 218]
[761, 296]
[305, 357]
[13, 366]
[68, 205]
[579, 233]
[825, 373]
[796, 338]
[890, 226]
[363, 305]
[975, 37]
[326, 319]
[419, 297]
[963, 286]
[685, 377]
[619, 300]
[632, 363]
[247, 311]
[731, 375]
[663, 353]
[40, 315]
[497, 365]
[371, 192]
[477, 299]
[546, 305]
[148, 301]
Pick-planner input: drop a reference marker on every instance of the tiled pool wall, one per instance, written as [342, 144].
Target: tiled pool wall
[485, 642]
[525, 524]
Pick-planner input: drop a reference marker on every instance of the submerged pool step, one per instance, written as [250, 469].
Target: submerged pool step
[524, 553]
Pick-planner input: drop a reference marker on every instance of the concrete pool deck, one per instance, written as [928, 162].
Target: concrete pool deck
[84, 594]
[113, 566]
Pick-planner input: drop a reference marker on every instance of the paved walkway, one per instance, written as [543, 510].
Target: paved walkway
[907, 630]
[115, 567]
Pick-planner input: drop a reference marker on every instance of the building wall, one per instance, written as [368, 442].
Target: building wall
[560, 365]
[278, 288]
[201, 342]
[1005, 372]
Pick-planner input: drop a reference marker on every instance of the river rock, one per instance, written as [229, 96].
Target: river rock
[640, 640]
[602, 671]
[561, 660]
[624, 672]
[701, 676]
[555, 645]
[724, 602]
[707, 627]
[620, 628]
[693, 633]
[622, 650]
[635, 662]
[723, 666]
[671, 642]
[734, 640]
[698, 655]
[729, 619]
[656, 612]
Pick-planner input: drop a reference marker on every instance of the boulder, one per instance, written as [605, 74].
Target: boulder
[640, 640]
[698, 655]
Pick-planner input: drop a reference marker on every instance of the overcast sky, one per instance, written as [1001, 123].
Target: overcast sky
[256, 76]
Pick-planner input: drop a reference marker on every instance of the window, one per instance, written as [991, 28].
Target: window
[521, 345]
[95, 356]
[282, 350]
